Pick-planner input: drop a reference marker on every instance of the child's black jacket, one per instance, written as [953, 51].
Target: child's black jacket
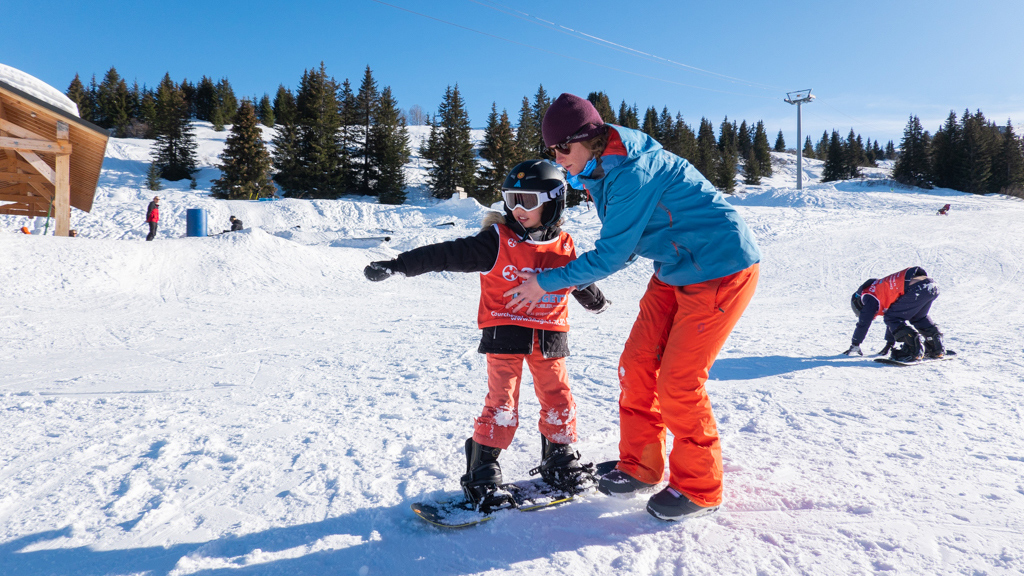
[478, 254]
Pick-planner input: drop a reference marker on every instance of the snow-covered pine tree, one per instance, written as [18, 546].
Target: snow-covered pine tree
[245, 162]
[175, 150]
[389, 143]
[454, 163]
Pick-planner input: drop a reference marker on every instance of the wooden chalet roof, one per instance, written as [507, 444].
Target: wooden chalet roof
[88, 145]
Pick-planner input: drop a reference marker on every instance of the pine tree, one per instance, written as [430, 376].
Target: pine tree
[1008, 164]
[744, 140]
[265, 112]
[147, 113]
[318, 122]
[286, 161]
[188, 92]
[821, 148]
[835, 160]
[852, 156]
[751, 169]
[978, 150]
[890, 151]
[389, 143]
[350, 137]
[628, 117]
[454, 160]
[540, 106]
[808, 148]
[77, 93]
[528, 131]
[683, 141]
[780, 143]
[205, 99]
[650, 124]
[724, 176]
[245, 162]
[366, 107]
[175, 150]
[226, 102]
[501, 152]
[114, 103]
[666, 128]
[603, 106]
[153, 178]
[284, 106]
[762, 152]
[706, 159]
[913, 166]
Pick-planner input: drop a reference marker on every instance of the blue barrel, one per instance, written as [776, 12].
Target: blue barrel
[195, 222]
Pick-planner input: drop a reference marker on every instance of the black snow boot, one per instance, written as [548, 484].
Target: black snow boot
[909, 347]
[933, 343]
[482, 481]
[560, 467]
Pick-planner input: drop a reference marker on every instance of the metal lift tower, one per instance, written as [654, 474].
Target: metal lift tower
[799, 97]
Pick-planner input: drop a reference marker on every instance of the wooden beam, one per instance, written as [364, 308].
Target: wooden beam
[62, 194]
[8, 126]
[41, 190]
[33, 145]
[36, 200]
[19, 177]
[39, 166]
[21, 210]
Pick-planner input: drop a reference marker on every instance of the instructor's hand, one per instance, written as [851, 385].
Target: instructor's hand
[527, 293]
[854, 349]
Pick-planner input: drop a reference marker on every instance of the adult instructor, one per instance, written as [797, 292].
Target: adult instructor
[654, 204]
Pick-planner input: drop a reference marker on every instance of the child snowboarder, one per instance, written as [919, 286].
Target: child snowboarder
[526, 236]
[898, 298]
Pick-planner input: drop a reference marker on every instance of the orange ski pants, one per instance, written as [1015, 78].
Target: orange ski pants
[662, 371]
[497, 425]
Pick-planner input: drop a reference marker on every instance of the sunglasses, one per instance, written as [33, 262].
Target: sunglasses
[567, 143]
[529, 200]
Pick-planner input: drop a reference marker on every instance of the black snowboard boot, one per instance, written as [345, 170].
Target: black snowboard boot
[560, 467]
[909, 347]
[933, 343]
[482, 480]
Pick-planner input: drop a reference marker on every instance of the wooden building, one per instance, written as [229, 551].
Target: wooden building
[50, 159]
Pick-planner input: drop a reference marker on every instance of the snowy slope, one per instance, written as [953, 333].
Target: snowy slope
[250, 404]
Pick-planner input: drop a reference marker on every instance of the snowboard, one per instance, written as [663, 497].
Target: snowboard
[950, 355]
[526, 496]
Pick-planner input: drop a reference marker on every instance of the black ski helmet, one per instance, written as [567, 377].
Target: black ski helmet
[855, 301]
[539, 176]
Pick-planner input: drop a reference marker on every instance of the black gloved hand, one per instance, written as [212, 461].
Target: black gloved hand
[853, 349]
[884, 351]
[598, 309]
[377, 271]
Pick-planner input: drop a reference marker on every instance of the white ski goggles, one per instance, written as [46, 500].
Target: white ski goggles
[529, 200]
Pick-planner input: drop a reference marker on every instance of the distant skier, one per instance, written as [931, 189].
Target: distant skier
[526, 237]
[944, 211]
[236, 224]
[905, 296]
[153, 217]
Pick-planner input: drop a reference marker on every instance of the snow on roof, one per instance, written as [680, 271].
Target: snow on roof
[36, 87]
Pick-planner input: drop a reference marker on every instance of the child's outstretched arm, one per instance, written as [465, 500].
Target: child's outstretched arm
[592, 299]
[473, 254]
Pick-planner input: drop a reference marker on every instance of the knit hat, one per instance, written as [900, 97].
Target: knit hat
[571, 119]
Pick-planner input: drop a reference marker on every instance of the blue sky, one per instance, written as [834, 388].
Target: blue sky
[871, 64]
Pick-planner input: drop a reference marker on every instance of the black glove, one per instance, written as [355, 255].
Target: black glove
[853, 349]
[884, 351]
[377, 271]
[606, 304]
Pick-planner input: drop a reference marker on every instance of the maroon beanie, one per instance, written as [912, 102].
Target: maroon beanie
[571, 116]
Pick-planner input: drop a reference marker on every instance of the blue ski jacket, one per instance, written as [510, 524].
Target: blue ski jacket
[654, 204]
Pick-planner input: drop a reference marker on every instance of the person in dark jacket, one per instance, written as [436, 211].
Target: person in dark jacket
[526, 237]
[899, 298]
[236, 224]
[153, 217]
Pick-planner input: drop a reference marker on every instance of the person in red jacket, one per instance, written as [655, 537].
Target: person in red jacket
[525, 238]
[152, 217]
[899, 298]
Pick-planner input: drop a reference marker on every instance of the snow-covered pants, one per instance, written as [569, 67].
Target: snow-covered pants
[662, 371]
[497, 425]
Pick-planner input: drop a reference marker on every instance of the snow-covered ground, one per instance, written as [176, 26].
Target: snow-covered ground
[249, 404]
